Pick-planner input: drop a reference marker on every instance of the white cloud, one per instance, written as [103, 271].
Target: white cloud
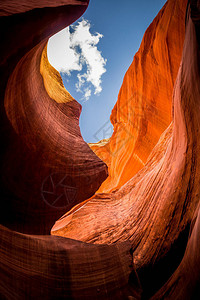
[60, 53]
[69, 52]
[87, 94]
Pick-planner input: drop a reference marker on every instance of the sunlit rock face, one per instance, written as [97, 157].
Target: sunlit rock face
[44, 157]
[138, 241]
[154, 209]
[144, 106]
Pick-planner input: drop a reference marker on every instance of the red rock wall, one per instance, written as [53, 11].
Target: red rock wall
[48, 267]
[138, 242]
[143, 108]
[155, 208]
[46, 166]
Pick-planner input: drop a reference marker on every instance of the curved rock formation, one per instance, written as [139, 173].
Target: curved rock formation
[48, 267]
[153, 209]
[132, 240]
[143, 108]
[47, 167]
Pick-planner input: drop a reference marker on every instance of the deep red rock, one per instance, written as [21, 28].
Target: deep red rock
[47, 167]
[155, 208]
[138, 241]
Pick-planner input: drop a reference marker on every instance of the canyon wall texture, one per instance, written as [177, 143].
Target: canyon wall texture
[46, 166]
[144, 106]
[140, 240]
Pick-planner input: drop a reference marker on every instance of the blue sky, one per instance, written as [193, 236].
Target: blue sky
[116, 30]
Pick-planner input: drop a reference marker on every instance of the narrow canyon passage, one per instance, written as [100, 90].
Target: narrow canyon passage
[128, 209]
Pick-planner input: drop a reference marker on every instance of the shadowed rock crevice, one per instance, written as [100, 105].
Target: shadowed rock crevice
[40, 129]
[131, 239]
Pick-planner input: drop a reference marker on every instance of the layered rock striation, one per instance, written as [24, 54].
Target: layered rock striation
[155, 208]
[139, 237]
[46, 166]
[144, 106]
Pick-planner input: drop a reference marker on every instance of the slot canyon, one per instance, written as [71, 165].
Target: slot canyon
[119, 219]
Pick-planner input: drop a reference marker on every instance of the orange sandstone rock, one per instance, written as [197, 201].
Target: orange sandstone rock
[132, 239]
[143, 109]
[155, 208]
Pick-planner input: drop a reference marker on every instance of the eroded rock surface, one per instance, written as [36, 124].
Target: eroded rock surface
[140, 239]
[46, 166]
[144, 107]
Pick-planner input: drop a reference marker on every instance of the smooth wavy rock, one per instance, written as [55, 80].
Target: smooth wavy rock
[43, 155]
[155, 208]
[143, 109]
[46, 166]
[185, 281]
[132, 243]
[11, 7]
[48, 267]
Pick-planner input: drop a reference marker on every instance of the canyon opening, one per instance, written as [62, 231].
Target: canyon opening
[116, 218]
